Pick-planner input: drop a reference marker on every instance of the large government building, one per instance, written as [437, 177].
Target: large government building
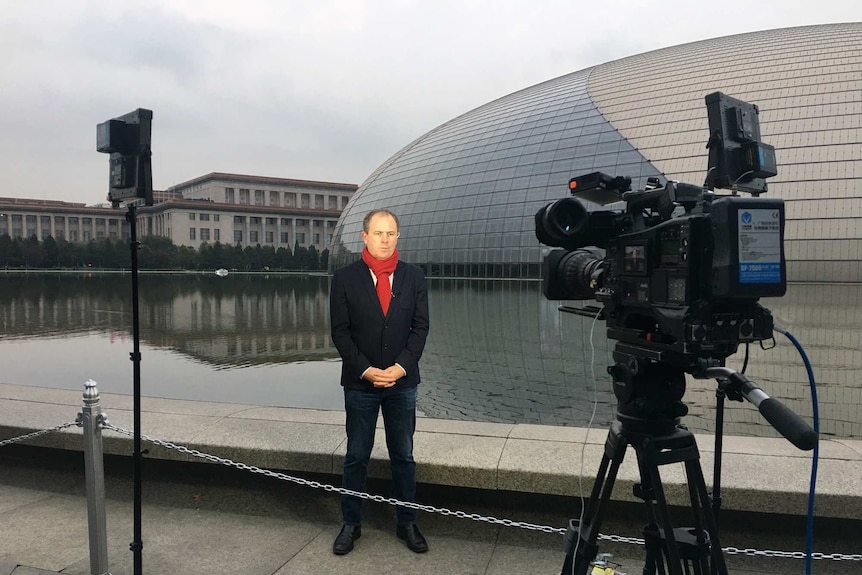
[466, 192]
[248, 210]
[70, 221]
[228, 208]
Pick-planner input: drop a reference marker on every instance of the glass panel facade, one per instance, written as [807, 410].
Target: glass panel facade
[466, 192]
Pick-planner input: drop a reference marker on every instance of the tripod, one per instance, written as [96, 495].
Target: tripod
[649, 408]
[649, 393]
[675, 551]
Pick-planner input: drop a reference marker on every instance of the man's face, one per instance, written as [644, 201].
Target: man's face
[381, 237]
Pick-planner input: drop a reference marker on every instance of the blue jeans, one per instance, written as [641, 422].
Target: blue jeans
[399, 421]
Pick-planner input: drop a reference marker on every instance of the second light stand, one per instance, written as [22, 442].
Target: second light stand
[137, 544]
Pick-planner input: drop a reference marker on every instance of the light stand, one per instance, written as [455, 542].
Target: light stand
[137, 544]
[715, 493]
[127, 139]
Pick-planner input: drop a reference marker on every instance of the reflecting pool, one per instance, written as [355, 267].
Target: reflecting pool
[497, 350]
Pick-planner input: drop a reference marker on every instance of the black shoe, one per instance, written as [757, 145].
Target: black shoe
[344, 542]
[410, 534]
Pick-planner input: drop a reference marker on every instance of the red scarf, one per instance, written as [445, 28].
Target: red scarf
[382, 269]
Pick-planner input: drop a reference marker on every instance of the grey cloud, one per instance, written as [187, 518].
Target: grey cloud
[326, 90]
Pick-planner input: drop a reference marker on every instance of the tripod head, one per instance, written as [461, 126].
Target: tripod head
[649, 393]
[649, 384]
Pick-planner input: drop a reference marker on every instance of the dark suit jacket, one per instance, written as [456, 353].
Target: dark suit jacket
[363, 337]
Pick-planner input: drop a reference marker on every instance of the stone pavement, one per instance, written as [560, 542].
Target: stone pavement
[200, 520]
[206, 518]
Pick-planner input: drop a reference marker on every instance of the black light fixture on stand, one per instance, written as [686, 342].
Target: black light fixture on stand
[127, 139]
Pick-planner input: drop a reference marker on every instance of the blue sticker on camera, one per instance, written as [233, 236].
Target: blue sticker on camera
[759, 246]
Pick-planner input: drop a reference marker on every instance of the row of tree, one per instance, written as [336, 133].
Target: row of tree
[155, 253]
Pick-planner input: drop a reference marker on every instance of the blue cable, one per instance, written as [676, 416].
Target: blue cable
[809, 528]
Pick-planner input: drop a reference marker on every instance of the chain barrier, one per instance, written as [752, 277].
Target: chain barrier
[38, 433]
[333, 489]
[449, 512]
[417, 506]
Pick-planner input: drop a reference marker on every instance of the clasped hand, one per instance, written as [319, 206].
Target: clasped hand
[384, 377]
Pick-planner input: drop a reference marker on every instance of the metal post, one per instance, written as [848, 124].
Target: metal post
[91, 418]
[137, 544]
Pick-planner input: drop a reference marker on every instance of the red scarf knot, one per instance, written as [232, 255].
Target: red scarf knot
[382, 269]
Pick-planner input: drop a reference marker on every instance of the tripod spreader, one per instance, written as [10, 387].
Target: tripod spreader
[737, 386]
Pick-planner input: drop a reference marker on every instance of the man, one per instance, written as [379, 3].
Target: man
[379, 321]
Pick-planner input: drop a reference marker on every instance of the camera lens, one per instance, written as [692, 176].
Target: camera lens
[562, 220]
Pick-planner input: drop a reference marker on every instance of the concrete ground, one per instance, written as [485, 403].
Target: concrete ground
[211, 519]
[200, 520]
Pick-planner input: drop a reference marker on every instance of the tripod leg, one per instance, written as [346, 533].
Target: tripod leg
[581, 547]
[674, 563]
[695, 479]
[654, 559]
[700, 562]
[687, 550]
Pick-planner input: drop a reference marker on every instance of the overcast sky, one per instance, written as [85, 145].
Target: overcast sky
[316, 89]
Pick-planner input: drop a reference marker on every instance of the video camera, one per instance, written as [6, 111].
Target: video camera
[679, 269]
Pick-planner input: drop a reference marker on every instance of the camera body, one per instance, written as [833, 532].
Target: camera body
[127, 139]
[679, 269]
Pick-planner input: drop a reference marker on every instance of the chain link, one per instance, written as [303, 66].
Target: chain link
[449, 512]
[792, 554]
[340, 490]
[37, 433]
[409, 504]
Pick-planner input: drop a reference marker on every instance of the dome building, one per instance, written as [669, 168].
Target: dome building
[467, 191]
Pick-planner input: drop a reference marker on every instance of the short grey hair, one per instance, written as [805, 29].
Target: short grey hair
[366, 221]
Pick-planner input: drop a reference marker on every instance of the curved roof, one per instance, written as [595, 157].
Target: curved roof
[466, 192]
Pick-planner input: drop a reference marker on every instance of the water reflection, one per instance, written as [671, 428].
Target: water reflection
[497, 351]
[224, 322]
[60, 330]
[500, 352]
